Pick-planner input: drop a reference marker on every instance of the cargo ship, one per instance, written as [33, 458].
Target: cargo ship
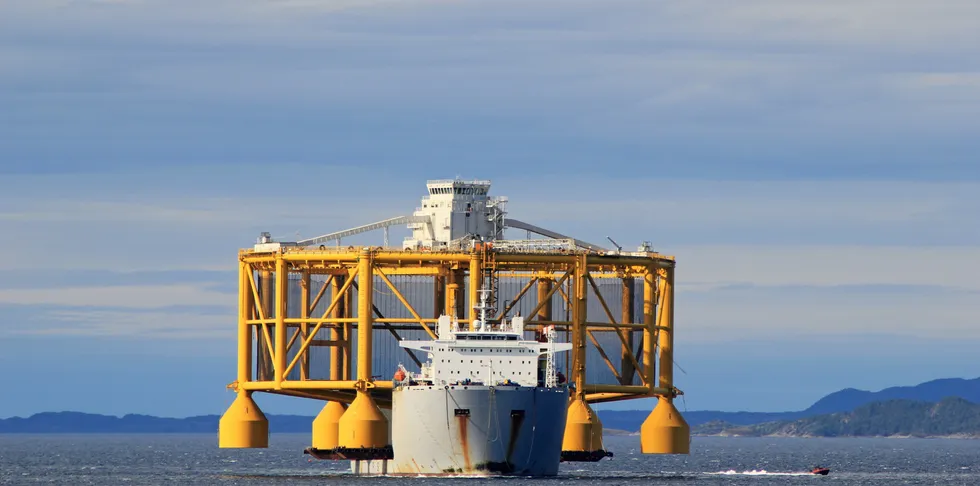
[486, 402]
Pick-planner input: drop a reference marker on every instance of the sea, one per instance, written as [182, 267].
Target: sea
[191, 459]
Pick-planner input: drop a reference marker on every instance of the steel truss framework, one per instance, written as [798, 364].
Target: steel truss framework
[273, 343]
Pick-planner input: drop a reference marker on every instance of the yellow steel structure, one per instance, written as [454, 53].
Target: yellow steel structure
[275, 343]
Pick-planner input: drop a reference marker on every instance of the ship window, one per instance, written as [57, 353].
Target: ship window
[471, 361]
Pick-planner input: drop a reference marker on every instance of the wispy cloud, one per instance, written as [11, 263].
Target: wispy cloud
[950, 267]
[135, 297]
[128, 324]
[648, 74]
[760, 313]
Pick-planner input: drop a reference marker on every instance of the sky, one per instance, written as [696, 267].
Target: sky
[812, 166]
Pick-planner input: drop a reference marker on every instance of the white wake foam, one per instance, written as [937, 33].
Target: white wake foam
[760, 472]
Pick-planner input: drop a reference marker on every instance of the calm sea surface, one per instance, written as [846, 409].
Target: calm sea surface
[196, 459]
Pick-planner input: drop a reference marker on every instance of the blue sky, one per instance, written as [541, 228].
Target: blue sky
[811, 165]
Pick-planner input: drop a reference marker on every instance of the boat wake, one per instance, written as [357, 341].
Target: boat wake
[761, 472]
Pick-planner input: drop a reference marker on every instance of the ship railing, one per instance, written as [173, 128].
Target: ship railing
[542, 245]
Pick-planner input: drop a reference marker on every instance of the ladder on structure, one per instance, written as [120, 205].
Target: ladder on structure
[493, 279]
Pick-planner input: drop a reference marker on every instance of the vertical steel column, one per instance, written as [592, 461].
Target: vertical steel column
[452, 291]
[626, 364]
[667, 331]
[650, 321]
[365, 314]
[579, 318]
[265, 296]
[544, 286]
[282, 278]
[245, 303]
[340, 344]
[476, 282]
[438, 295]
[304, 327]
[348, 332]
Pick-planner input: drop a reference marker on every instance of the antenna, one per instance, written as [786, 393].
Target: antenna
[614, 243]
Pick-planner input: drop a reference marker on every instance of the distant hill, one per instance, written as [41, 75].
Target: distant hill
[844, 400]
[930, 391]
[87, 423]
[633, 419]
[80, 423]
[903, 418]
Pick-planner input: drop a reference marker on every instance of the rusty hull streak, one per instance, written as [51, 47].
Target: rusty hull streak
[464, 442]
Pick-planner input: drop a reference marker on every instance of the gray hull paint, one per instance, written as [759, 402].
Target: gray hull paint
[474, 430]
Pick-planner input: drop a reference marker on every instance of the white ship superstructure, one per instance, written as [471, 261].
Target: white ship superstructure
[486, 355]
[483, 400]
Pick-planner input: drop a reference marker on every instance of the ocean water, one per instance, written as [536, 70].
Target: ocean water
[196, 460]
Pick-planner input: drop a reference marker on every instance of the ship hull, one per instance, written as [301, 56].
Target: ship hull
[474, 430]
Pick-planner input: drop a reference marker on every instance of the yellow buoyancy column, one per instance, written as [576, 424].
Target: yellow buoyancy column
[583, 429]
[243, 425]
[363, 426]
[326, 426]
[665, 431]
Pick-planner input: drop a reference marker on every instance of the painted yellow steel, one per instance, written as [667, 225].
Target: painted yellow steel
[476, 283]
[583, 429]
[544, 298]
[665, 431]
[603, 388]
[281, 296]
[649, 319]
[326, 426]
[579, 317]
[411, 310]
[630, 359]
[336, 353]
[245, 305]
[667, 335]
[243, 425]
[306, 343]
[280, 342]
[365, 316]
[363, 425]
[304, 328]
[612, 397]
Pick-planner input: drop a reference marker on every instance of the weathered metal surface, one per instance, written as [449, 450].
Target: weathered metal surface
[477, 430]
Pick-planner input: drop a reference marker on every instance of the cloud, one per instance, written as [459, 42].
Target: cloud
[762, 313]
[628, 71]
[950, 267]
[128, 324]
[122, 296]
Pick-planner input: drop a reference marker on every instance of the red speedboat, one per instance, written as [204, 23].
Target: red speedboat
[820, 470]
